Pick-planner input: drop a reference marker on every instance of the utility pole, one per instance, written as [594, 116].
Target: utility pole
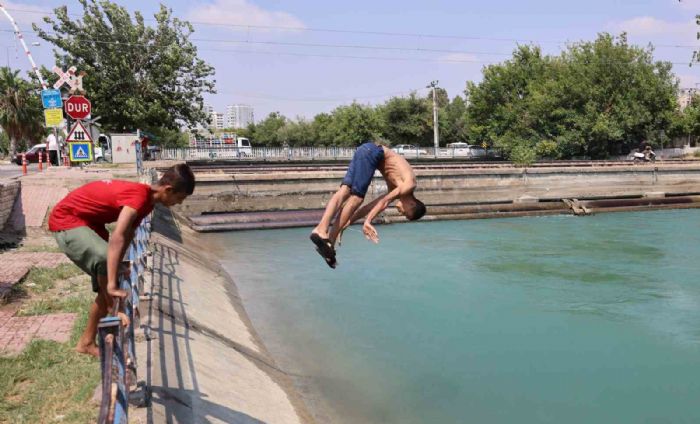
[436, 136]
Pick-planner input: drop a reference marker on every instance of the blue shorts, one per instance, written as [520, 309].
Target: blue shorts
[362, 167]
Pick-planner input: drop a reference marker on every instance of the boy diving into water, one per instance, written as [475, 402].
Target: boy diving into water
[400, 181]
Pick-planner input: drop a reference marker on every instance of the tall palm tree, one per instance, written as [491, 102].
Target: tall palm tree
[20, 110]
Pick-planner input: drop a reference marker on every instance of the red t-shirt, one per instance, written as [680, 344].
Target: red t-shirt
[98, 203]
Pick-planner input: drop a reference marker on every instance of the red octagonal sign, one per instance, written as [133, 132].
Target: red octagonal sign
[78, 107]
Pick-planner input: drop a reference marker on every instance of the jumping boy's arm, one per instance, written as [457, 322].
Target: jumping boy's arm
[381, 203]
[118, 242]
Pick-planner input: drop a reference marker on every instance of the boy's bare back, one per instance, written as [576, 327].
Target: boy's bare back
[396, 170]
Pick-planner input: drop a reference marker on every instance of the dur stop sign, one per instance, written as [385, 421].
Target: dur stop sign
[78, 107]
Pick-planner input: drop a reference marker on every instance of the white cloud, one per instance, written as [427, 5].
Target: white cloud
[242, 12]
[459, 58]
[650, 26]
[25, 14]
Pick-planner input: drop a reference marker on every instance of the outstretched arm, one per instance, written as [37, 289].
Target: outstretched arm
[381, 203]
[118, 242]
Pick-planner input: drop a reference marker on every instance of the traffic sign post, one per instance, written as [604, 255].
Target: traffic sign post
[51, 99]
[53, 117]
[78, 107]
[80, 151]
[78, 133]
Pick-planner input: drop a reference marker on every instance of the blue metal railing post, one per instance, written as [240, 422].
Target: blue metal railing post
[117, 343]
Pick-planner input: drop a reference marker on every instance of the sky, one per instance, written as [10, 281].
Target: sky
[306, 57]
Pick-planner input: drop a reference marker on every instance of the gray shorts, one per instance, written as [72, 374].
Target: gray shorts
[86, 249]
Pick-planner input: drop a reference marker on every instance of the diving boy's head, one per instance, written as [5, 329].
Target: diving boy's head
[174, 186]
[410, 207]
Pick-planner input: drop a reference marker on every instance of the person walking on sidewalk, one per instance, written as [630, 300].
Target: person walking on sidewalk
[78, 223]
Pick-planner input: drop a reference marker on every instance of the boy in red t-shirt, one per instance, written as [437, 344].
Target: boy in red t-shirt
[78, 222]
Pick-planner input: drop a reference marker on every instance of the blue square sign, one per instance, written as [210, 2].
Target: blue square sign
[80, 151]
[51, 99]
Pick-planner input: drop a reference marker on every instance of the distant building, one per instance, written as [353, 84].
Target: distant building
[239, 116]
[216, 120]
[208, 110]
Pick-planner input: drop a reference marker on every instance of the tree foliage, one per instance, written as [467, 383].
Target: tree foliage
[138, 76]
[21, 116]
[596, 99]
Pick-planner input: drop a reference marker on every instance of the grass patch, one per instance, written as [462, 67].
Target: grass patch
[49, 382]
[51, 249]
[39, 280]
[54, 305]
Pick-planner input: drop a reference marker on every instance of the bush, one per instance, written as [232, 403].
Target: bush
[522, 155]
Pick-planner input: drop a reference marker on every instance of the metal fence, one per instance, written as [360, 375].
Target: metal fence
[235, 153]
[117, 347]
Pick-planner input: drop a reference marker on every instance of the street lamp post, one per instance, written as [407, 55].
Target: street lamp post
[436, 136]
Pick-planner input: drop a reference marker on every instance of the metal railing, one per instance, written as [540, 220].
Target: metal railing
[116, 342]
[224, 152]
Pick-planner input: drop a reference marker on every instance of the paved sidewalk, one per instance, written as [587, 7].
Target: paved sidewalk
[17, 332]
[15, 265]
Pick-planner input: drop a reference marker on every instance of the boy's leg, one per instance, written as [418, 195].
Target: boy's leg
[331, 208]
[346, 213]
[98, 310]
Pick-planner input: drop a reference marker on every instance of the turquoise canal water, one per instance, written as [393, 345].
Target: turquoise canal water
[525, 320]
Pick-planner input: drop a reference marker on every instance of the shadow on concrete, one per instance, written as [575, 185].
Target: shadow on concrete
[179, 395]
[166, 224]
[15, 229]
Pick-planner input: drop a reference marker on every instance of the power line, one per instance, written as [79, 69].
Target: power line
[382, 33]
[384, 58]
[317, 99]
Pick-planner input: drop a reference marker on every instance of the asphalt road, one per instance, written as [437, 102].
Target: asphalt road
[12, 170]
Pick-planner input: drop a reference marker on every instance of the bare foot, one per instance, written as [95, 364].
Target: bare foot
[88, 349]
[322, 234]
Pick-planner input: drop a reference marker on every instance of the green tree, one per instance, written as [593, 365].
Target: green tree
[407, 120]
[596, 99]
[353, 125]
[453, 122]
[267, 132]
[138, 76]
[21, 116]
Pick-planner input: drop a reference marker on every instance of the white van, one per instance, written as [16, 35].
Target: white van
[240, 144]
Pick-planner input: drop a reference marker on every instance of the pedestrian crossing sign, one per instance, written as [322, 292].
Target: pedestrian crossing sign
[80, 151]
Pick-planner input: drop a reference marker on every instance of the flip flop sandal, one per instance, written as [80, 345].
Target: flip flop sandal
[324, 247]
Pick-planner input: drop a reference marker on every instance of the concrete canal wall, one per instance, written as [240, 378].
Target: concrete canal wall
[264, 196]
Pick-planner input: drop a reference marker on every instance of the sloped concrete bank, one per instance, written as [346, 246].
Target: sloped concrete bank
[205, 363]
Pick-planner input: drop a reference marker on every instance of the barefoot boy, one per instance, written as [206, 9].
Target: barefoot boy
[400, 181]
[78, 222]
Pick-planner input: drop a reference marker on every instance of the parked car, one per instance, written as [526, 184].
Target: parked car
[477, 151]
[32, 154]
[409, 150]
[464, 150]
[457, 150]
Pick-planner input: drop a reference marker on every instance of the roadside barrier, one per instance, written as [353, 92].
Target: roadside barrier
[116, 342]
[41, 162]
[24, 164]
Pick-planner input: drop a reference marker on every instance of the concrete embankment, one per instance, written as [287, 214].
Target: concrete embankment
[268, 196]
[205, 361]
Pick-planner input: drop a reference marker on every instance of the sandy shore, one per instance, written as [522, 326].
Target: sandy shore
[205, 361]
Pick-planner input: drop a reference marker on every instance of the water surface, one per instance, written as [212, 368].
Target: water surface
[524, 320]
